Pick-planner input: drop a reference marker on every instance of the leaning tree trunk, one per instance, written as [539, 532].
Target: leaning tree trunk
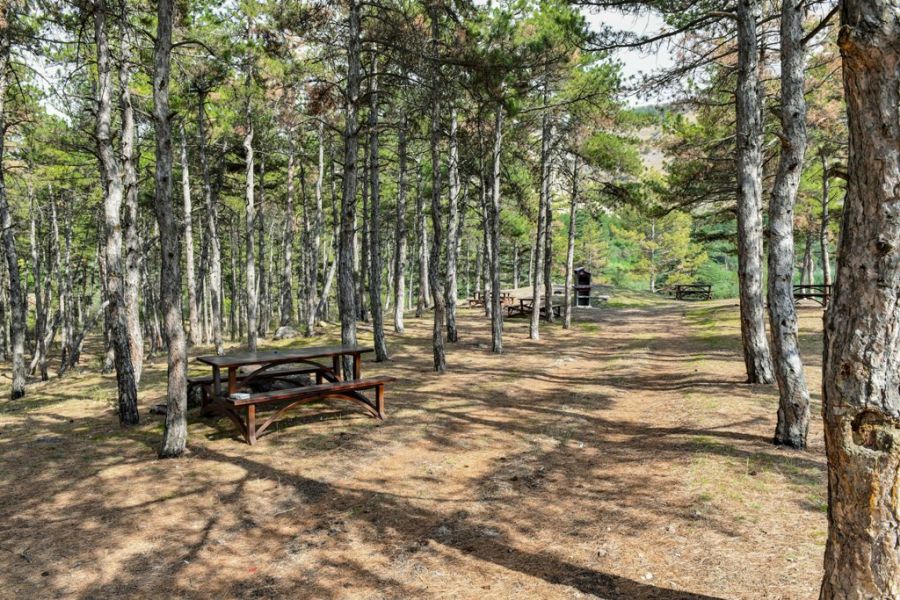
[132, 237]
[453, 233]
[346, 287]
[861, 400]
[437, 239]
[212, 217]
[112, 204]
[793, 400]
[16, 297]
[757, 359]
[401, 229]
[570, 250]
[374, 249]
[250, 263]
[175, 433]
[40, 309]
[806, 271]
[823, 231]
[494, 227]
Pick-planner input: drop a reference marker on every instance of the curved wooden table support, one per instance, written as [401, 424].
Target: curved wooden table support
[339, 390]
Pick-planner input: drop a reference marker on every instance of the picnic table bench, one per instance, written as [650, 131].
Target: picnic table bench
[693, 291]
[478, 299]
[240, 406]
[818, 293]
[526, 307]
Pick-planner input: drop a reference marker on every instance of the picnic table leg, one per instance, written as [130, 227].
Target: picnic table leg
[336, 365]
[217, 382]
[251, 424]
[232, 380]
[379, 401]
[357, 367]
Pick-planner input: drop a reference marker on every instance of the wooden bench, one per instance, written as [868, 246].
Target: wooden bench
[693, 291]
[343, 390]
[526, 307]
[204, 382]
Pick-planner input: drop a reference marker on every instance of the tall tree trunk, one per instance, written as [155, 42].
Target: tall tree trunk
[401, 229]
[570, 250]
[437, 239]
[346, 286]
[287, 249]
[175, 433]
[374, 249]
[132, 237]
[453, 232]
[808, 275]
[250, 264]
[757, 359]
[422, 237]
[861, 400]
[17, 304]
[212, 217]
[193, 316]
[262, 278]
[40, 309]
[112, 204]
[823, 231]
[540, 243]
[546, 175]
[494, 215]
[793, 401]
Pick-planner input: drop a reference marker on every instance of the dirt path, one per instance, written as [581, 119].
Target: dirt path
[621, 459]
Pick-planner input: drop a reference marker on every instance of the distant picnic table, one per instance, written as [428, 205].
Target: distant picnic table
[818, 293]
[526, 307]
[693, 291]
[236, 400]
[506, 298]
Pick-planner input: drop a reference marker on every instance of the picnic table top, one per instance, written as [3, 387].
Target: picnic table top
[280, 356]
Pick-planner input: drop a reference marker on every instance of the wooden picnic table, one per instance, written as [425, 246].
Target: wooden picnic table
[271, 358]
[693, 291]
[817, 292]
[328, 383]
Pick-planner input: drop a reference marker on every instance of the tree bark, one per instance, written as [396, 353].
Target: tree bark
[346, 285]
[17, 304]
[540, 244]
[374, 249]
[39, 354]
[861, 381]
[212, 217]
[823, 231]
[315, 242]
[757, 358]
[111, 175]
[453, 232]
[250, 262]
[494, 215]
[422, 236]
[570, 250]
[175, 433]
[546, 201]
[132, 237]
[437, 239]
[401, 229]
[193, 316]
[287, 248]
[793, 401]
[262, 277]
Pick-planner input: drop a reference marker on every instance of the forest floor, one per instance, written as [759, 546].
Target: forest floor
[623, 458]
